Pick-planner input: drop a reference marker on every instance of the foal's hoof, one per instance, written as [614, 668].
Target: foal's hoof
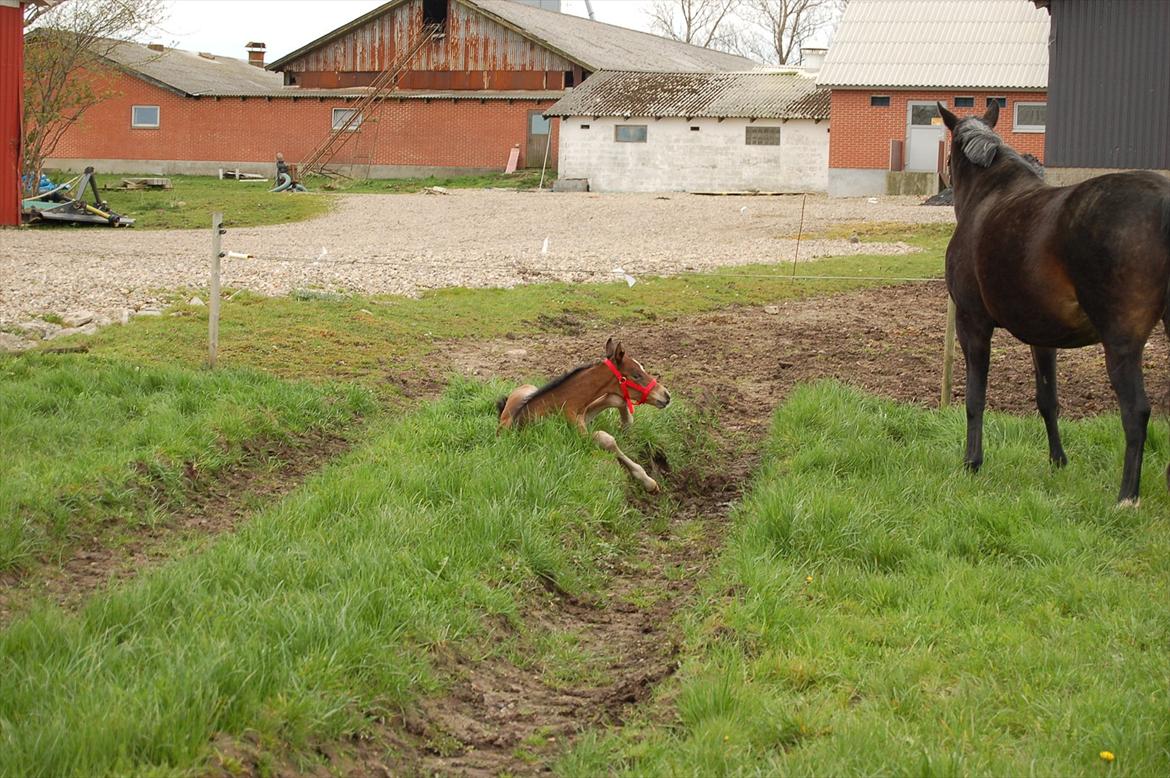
[1130, 502]
[973, 465]
[651, 486]
[1060, 461]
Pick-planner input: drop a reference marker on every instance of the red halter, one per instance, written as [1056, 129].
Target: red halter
[626, 384]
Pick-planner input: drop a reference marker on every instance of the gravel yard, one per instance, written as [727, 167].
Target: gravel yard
[401, 244]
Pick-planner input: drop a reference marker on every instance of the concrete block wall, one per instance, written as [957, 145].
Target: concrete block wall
[713, 157]
[439, 133]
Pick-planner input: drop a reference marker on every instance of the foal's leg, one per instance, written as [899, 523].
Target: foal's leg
[1044, 360]
[1124, 362]
[606, 441]
[975, 340]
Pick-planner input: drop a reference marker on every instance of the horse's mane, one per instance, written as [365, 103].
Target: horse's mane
[550, 386]
[982, 145]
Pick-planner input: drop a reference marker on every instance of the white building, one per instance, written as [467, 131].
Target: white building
[764, 130]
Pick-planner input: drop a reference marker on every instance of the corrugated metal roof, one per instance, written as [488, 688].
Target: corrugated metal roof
[759, 94]
[594, 45]
[927, 43]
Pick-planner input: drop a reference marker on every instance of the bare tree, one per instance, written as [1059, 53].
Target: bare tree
[786, 25]
[707, 23]
[67, 68]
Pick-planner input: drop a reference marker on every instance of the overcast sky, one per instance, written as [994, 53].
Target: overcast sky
[224, 26]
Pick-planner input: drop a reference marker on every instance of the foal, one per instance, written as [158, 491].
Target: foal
[586, 391]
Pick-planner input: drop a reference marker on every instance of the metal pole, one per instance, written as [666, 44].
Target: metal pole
[799, 234]
[948, 356]
[546, 145]
[217, 232]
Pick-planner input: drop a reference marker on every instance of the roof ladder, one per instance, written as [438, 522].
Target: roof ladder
[380, 87]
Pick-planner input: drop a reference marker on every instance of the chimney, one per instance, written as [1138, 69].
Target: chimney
[256, 53]
[812, 59]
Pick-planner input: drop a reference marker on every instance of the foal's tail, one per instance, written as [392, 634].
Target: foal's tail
[500, 403]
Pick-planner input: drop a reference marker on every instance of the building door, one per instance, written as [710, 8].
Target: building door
[924, 131]
[539, 129]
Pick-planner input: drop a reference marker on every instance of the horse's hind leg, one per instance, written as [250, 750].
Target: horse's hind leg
[606, 441]
[1044, 360]
[1124, 362]
[975, 340]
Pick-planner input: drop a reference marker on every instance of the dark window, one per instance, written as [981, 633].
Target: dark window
[762, 136]
[1001, 100]
[629, 133]
[964, 102]
[584, 126]
[924, 115]
[694, 129]
[434, 11]
[568, 78]
[879, 101]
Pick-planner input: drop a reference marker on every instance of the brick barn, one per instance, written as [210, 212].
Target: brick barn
[891, 60]
[469, 95]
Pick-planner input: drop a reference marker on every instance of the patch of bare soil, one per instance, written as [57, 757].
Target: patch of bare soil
[210, 507]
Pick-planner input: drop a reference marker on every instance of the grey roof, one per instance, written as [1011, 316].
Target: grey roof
[758, 94]
[593, 45]
[195, 74]
[600, 46]
[927, 43]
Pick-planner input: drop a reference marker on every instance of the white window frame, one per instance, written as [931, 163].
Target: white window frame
[157, 117]
[337, 125]
[645, 128]
[1036, 128]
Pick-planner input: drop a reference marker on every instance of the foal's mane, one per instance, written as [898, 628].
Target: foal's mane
[982, 145]
[552, 385]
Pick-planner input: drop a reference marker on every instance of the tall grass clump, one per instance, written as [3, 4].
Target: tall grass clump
[891, 614]
[322, 612]
[87, 440]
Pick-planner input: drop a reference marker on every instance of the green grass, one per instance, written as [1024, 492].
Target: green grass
[367, 339]
[319, 615]
[521, 179]
[97, 441]
[192, 199]
[879, 611]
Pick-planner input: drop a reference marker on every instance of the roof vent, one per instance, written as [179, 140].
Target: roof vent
[156, 47]
[812, 59]
[256, 51]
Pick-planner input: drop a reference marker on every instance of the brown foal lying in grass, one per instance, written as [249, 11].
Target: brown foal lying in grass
[586, 391]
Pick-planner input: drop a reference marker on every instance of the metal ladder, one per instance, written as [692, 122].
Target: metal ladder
[386, 81]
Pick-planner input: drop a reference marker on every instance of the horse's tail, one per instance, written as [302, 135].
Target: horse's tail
[500, 403]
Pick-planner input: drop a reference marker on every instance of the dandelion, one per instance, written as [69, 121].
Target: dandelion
[808, 579]
[1107, 756]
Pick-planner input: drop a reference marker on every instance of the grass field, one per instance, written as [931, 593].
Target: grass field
[104, 441]
[878, 611]
[521, 179]
[353, 337]
[320, 614]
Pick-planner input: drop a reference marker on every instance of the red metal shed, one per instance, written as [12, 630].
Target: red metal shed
[11, 102]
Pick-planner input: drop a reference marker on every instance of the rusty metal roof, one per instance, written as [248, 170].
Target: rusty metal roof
[971, 44]
[591, 44]
[760, 94]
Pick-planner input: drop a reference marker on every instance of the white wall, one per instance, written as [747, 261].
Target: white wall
[675, 158]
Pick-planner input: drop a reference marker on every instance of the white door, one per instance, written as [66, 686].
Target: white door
[924, 130]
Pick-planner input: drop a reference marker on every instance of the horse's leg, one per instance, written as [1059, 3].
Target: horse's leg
[606, 402]
[511, 403]
[1124, 362]
[606, 441]
[1044, 360]
[975, 339]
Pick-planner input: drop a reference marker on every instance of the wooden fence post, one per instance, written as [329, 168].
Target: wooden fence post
[948, 379]
[217, 232]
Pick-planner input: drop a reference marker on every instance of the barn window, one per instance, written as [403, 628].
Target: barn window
[1031, 117]
[879, 101]
[434, 11]
[964, 102]
[568, 79]
[629, 133]
[762, 136]
[344, 118]
[1001, 100]
[584, 126]
[145, 116]
[694, 129]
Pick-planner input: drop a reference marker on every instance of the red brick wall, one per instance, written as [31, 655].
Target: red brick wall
[860, 134]
[441, 133]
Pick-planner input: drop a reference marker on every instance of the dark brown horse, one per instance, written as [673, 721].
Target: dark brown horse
[618, 381]
[1058, 267]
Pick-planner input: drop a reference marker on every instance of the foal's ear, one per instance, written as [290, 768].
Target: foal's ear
[992, 115]
[614, 351]
[609, 348]
[949, 119]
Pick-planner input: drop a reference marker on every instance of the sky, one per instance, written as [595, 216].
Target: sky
[224, 26]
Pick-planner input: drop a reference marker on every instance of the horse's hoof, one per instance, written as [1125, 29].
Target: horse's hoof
[652, 486]
[1060, 461]
[1130, 502]
[973, 466]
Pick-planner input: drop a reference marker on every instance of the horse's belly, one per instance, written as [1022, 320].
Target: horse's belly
[1053, 320]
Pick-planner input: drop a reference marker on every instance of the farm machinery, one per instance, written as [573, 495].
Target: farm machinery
[67, 203]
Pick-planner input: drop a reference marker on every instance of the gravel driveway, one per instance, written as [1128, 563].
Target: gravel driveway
[402, 244]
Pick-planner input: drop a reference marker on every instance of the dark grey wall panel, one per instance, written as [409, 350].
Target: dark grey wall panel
[1109, 84]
